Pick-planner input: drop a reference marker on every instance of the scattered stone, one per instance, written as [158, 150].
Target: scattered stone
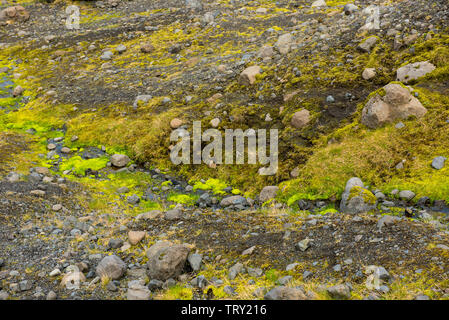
[285, 293]
[137, 291]
[120, 48]
[414, 71]
[268, 193]
[406, 195]
[215, 122]
[229, 290]
[248, 76]
[438, 162]
[356, 198]
[166, 260]
[14, 13]
[284, 280]
[368, 44]
[284, 43]
[233, 200]
[369, 73]
[303, 245]
[422, 297]
[73, 278]
[51, 295]
[111, 267]
[386, 220]
[339, 291]
[300, 119]
[134, 199]
[318, 3]
[18, 90]
[176, 123]
[174, 214]
[350, 8]
[4, 295]
[120, 160]
[195, 261]
[141, 100]
[235, 270]
[107, 55]
[134, 237]
[248, 251]
[123, 190]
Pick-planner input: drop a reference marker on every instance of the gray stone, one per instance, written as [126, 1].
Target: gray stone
[4, 295]
[195, 260]
[285, 293]
[120, 160]
[339, 291]
[120, 48]
[438, 162]
[303, 245]
[350, 8]
[111, 267]
[284, 42]
[268, 193]
[368, 44]
[386, 221]
[356, 198]
[235, 270]
[406, 195]
[174, 214]
[233, 200]
[284, 280]
[137, 291]
[414, 71]
[166, 260]
[141, 99]
[134, 199]
[229, 290]
[155, 284]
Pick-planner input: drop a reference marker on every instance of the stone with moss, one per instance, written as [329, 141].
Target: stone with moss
[356, 198]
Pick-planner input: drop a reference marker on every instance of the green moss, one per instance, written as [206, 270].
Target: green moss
[368, 196]
[183, 198]
[79, 166]
[215, 185]
[177, 292]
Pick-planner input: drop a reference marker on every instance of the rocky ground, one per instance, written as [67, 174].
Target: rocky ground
[92, 208]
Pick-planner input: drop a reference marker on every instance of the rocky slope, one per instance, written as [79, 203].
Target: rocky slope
[92, 207]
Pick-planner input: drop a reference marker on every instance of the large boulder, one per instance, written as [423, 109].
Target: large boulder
[166, 260]
[396, 103]
[356, 198]
[413, 71]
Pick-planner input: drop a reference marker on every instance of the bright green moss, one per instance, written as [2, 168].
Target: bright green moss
[215, 185]
[79, 166]
[189, 200]
[368, 196]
